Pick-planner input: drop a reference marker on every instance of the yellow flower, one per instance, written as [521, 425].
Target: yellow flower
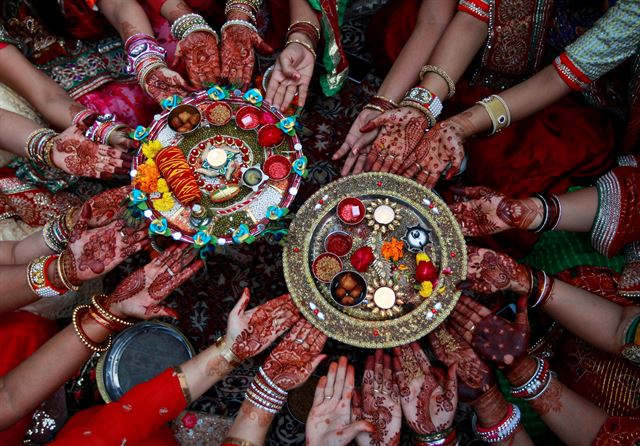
[150, 163]
[403, 267]
[422, 257]
[151, 148]
[163, 187]
[393, 249]
[426, 288]
[165, 203]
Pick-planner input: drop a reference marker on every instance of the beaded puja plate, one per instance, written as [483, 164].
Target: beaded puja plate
[225, 165]
[372, 260]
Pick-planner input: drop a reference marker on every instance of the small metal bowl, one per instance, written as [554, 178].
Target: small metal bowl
[335, 286]
[317, 259]
[278, 167]
[354, 202]
[339, 253]
[191, 110]
[253, 177]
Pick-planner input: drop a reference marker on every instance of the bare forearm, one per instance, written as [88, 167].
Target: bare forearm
[491, 408]
[14, 132]
[31, 382]
[126, 16]
[23, 251]
[579, 209]
[456, 49]
[174, 9]
[592, 318]
[301, 10]
[251, 424]
[575, 420]
[433, 18]
[204, 370]
[15, 288]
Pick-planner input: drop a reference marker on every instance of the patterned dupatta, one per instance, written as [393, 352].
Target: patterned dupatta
[331, 15]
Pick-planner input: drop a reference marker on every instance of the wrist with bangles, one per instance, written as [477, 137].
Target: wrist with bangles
[306, 28]
[102, 128]
[551, 213]
[540, 289]
[381, 103]
[39, 280]
[451, 85]
[55, 233]
[226, 352]
[309, 47]
[238, 22]
[501, 431]
[537, 383]
[631, 342]
[447, 437]
[190, 23]
[498, 112]
[144, 56]
[39, 147]
[264, 394]
[425, 101]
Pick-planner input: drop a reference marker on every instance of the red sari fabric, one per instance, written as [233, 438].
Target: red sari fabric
[138, 418]
[21, 334]
[618, 431]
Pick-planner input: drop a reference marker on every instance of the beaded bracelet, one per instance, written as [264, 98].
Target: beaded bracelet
[77, 326]
[501, 431]
[239, 22]
[304, 44]
[255, 4]
[445, 438]
[38, 277]
[498, 112]
[117, 322]
[535, 383]
[443, 74]
[39, 146]
[241, 8]
[425, 101]
[102, 128]
[55, 234]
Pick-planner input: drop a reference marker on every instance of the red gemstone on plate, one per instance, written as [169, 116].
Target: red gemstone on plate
[192, 159]
[321, 201]
[376, 333]
[218, 139]
[238, 142]
[201, 145]
[453, 254]
[434, 311]
[245, 158]
[200, 183]
[379, 183]
[209, 187]
[431, 206]
[229, 140]
[296, 249]
[316, 311]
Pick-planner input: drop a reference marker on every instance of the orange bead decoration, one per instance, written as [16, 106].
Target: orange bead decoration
[175, 170]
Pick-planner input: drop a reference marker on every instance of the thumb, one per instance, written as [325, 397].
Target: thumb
[352, 430]
[161, 310]
[522, 315]
[262, 46]
[242, 303]
[373, 124]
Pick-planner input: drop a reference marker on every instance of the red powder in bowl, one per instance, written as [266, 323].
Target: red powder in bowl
[277, 167]
[339, 243]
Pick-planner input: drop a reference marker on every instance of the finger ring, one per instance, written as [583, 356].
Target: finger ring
[122, 234]
[300, 341]
[171, 273]
[328, 397]
[391, 156]
[418, 166]
[380, 391]
[473, 327]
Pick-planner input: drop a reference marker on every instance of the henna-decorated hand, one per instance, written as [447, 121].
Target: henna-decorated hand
[236, 51]
[495, 339]
[357, 144]
[379, 403]
[291, 74]
[440, 149]
[120, 139]
[489, 212]
[401, 130]
[251, 332]
[139, 295]
[489, 272]
[94, 252]
[428, 405]
[105, 207]
[201, 56]
[294, 359]
[162, 83]
[329, 422]
[474, 376]
[75, 154]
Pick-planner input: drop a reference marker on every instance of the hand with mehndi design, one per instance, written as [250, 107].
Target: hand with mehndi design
[73, 153]
[428, 401]
[293, 360]
[489, 272]
[329, 422]
[139, 295]
[236, 55]
[251, 332]
[495, 339]
[162, 83]
[489, 212]
[291, 74]
[441, 149]
[474, 376]
[94, 252]
[401, 130]
[199, 51]
[120, 139]
[357, 144]
[105, 207]
[378, 403]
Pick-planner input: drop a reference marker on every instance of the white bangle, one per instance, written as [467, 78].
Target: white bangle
[239, 22]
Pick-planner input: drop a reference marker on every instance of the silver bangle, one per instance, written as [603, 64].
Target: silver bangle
[239, 22]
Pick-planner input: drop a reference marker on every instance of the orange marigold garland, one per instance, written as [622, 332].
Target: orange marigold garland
[175, 170]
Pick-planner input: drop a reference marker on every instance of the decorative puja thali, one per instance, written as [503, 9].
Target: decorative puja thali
[217, 167]
[373, 260]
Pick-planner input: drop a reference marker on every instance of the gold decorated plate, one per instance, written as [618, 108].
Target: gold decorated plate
[420, 220]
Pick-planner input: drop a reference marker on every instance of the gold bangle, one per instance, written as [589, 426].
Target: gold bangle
[227, 353]
[236, 441]
[68, 219]
[443, 74]
[63, 274]
[304, 44]
[374, 107]
[184, 386]
[106, 313]
[498, 112]
[316, 28]
[423, 109]
[387, 100]
[83, 336]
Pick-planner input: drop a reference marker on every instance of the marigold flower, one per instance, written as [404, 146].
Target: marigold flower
[393, 250]
[151, 148]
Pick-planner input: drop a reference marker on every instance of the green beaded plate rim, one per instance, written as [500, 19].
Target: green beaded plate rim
[338, 325]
